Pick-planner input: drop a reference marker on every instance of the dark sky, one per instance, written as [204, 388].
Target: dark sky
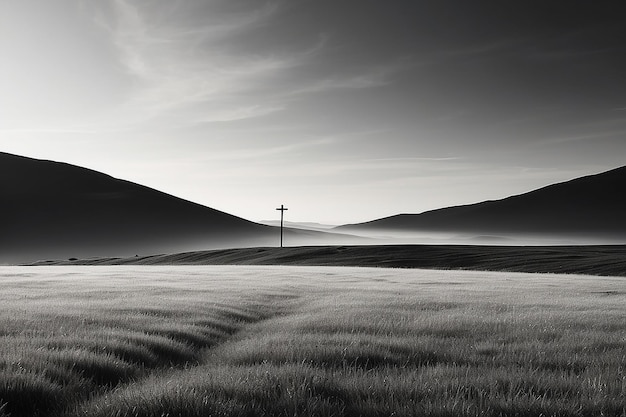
[342, 110]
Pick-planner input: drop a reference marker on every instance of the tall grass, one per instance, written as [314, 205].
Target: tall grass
[68, 334]
[272, 341]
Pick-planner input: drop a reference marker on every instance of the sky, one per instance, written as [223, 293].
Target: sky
[342, 110]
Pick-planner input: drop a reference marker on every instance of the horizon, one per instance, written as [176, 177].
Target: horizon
[328, 226]
[343, 112]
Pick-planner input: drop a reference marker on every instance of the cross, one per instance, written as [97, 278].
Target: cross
[282, 210]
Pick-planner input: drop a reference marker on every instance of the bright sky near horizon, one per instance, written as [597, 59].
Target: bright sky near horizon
[343, 110]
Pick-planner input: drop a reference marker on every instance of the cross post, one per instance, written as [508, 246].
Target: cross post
[282, 210]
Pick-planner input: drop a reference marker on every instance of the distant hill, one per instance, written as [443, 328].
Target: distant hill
[299, 225]
[592, 207]
[595, 260]
[52, 210]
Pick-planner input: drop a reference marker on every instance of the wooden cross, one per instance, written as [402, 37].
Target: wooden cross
[282, 210]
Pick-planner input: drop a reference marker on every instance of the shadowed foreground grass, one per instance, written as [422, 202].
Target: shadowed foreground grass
[309, 341]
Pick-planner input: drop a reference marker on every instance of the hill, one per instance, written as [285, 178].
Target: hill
[299, 225]
[591, 207]
[52, 210]
[594, 260]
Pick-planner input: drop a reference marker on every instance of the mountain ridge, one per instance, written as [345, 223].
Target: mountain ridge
[593, 205]
[54, 210]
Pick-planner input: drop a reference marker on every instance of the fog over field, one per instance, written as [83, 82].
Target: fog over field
[308, 341]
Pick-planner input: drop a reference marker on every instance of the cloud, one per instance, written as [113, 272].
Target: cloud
[239, 113]
[262, 153]
[181, 65]
[485, 48]
[416, 159]
[189, 71]
[359, 81]
[590, 137]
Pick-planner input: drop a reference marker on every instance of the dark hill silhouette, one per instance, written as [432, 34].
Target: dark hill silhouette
[588, 207]
[52, 210]
[596, 259]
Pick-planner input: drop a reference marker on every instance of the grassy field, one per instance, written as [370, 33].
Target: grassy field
[309, 341]
[609, 260]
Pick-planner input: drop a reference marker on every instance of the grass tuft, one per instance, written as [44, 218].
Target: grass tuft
[25, 394]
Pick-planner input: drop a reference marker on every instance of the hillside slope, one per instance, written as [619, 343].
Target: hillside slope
[51, 210]
[595, 260]
[592, 206]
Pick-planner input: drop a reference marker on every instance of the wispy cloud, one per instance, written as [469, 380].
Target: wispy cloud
[484, 48]
[261, 153]
[38, 130]
[370, 77]
[237, 113]
[189, 72]
[592, 136]
[376, 78]
[416, 159]
[177, 65]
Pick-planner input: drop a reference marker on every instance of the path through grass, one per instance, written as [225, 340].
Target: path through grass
[311, 341]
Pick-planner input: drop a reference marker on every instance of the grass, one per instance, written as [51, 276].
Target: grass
[309, 341]
[607, 260]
